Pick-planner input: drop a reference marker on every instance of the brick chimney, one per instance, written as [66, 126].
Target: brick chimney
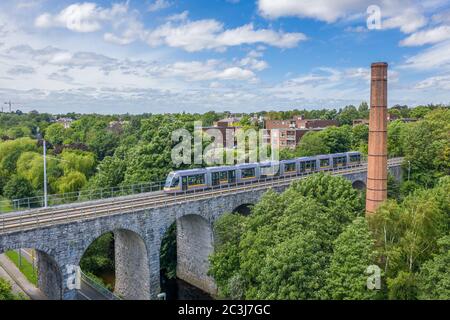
[377, 156]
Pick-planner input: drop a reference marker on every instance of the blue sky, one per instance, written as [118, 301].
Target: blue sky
[177, 55]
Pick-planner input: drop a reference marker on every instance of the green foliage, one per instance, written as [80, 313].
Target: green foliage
[353, 252]
[80, 161]
[18, 188]
[56, 134]
[6, 291]
[396, 136]
[283, 249]
[10, 152]
[348, 114]
[427, 147]
[330, 140]
[407, 236]
[71, 182]
[312, 144]
[434, 277]
[403, 286]
[335, 193]
[168, 253]
[360, 138]
[99, 257]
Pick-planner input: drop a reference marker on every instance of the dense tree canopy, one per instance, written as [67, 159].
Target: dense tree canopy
[283, 249]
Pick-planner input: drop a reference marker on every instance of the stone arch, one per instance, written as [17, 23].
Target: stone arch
[49, 272]
[359, 185]
[244, 209]
[131, 256]
[195, 243]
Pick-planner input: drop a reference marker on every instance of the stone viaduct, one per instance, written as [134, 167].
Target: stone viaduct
[138, 236]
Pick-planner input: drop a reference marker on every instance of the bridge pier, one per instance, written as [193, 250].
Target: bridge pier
[49, 276]
[132, 268]
[195, 242]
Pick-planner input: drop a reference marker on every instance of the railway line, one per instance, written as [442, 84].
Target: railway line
[37, 218]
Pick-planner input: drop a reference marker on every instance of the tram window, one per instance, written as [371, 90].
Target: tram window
[324, 162]
[248, 173]
[175, 182]
[196, 179]
[355, 158]
[340, 161]
[266, 170]
[289, 167]
[223, 176]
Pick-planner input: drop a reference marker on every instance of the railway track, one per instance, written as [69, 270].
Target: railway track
[31, 219]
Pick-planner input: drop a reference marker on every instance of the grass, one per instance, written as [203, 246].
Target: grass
[26, 268]
[5, 205]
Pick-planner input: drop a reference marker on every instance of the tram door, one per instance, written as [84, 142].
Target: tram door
[184, 183]
[215, 178]
[232, 176]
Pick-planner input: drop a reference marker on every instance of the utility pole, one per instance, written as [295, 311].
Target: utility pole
[409, 169]
[45, 175]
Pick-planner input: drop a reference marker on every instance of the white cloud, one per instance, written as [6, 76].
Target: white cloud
[210, 34]
[81, 17]
[429, 36]
[324, 10]
[436, 57]
[179, 16]
[159, 5]
[407, 20]
[407, 15]
[436, 82]
[235, 73]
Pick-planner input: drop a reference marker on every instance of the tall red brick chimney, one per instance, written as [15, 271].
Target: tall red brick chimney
[377, 155]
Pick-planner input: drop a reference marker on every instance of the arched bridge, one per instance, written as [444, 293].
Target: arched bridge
[60, 235]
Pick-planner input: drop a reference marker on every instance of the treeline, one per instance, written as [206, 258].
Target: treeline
[312, 242]
[103, 151]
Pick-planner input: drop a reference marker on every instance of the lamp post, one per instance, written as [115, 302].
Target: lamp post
[45, 174]
[39, 136]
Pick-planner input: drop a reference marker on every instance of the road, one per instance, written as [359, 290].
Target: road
[19, 221]
[20, 284]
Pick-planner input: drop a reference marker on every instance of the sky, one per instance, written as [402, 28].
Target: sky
[160, 56]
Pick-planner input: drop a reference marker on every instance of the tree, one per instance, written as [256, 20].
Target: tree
[56, 134]
[168, 255]
[363, 107]
[6, 291]
[406, 235]
[353, 253]
[335, 193]
[403, 286]
[80, 161]
[18, 188]
[10, 152]
[434, 278]
[347, 115]
[360, 138]
[71, 182]
[312, 144]
[293, 269]
[396, 131]
[283, 249]
[426, 145]
[99, 257]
